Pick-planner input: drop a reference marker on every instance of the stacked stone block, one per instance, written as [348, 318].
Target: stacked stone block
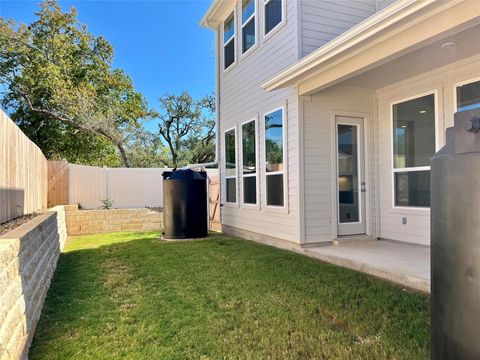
[84, 222]
[28, 258]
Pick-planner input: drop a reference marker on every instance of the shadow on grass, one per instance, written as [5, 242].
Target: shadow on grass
[147, 298]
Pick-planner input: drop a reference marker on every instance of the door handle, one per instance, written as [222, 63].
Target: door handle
[362, 187]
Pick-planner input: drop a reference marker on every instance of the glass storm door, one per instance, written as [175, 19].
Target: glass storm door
[350, 176]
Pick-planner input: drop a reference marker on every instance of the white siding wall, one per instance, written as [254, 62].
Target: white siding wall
[241, 99]
[382, 4]
[322, 21]
[319, 149]
[309, 25]
[443, 81]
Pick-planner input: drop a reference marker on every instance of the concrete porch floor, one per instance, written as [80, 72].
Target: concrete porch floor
[404, 264]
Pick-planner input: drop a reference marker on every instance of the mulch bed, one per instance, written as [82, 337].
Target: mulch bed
[14, 223]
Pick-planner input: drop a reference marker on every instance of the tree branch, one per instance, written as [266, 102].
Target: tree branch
[80, 126]
[12, 38]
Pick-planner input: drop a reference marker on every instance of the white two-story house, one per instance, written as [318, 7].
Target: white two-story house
[329, 112]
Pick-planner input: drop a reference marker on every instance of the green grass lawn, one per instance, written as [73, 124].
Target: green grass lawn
[132, 296]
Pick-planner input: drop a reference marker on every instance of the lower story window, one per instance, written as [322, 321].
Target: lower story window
[413, 145]
[468, 96]
[231, 191]
[250, 190]
[275, 190]
[249, 163]
[412, 188]
[230, 167]
[274, 158]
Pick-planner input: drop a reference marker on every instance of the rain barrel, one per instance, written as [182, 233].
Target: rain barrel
[185, 204]
[455, 242]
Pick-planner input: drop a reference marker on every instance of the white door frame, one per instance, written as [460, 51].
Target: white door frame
[366, 168]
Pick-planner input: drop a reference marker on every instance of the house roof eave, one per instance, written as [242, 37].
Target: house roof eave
[379, 23]
[216, 13]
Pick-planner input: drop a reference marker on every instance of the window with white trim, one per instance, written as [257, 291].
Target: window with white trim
[274, 158]
[413, 145]
[273, 14]
[230, 167]
[248, 25]
[468, 96]
[249, 162]
[229, 41]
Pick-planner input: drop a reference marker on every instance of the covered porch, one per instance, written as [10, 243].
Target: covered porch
[400, 263]
[374, 107]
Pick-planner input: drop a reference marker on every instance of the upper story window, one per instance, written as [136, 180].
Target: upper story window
[230, 167]
[273, 14]
[248, 25]
[274, 157]
[229, 41]
[468, 96]
[414, 144]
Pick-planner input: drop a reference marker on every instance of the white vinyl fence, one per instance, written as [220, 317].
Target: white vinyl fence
[127, 187]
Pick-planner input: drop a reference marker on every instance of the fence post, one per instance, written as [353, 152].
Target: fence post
[106, 182]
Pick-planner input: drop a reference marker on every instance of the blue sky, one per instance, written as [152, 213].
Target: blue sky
[159, 43]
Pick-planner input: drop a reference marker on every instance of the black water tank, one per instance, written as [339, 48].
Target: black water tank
[455, 239]
[185, 204]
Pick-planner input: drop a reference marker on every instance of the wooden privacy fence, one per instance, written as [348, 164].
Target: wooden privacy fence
[214, 202]
[57, 183]
[23, 172]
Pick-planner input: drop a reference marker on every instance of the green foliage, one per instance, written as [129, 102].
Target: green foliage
[148, 150]
[274, 138]
[249, 145]
[230, 149]
[132, 296]
[63, 92]
[274, 151]
[107, 204]
[58, 141]
[59, 81]
[188, 128]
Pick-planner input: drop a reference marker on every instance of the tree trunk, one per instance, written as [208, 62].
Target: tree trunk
[123, 155]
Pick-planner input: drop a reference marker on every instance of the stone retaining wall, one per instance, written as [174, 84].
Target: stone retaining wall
[28, 258]
[85, 222]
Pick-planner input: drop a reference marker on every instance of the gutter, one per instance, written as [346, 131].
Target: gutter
[205, 22]
[359, 33]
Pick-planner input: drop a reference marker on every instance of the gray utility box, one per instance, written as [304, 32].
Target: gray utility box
[455, 241]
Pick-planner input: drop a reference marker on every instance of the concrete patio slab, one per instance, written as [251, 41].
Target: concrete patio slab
[404, 264]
